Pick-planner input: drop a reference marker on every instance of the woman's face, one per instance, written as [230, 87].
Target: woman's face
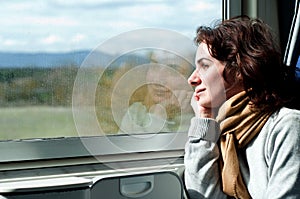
[161, 84]
[210, 86]
[163, 81]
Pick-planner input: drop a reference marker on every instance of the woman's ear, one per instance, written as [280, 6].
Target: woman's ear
[239, 76]
[231, 72]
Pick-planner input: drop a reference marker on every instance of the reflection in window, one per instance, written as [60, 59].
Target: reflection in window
[157, 100]
[43, 48]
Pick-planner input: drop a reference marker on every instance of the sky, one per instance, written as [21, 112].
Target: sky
[67, 25]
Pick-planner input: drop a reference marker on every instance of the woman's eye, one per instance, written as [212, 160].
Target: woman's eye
[204, 66]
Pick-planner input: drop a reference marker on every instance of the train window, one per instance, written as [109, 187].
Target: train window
[92, 69]
[292, 50]
[298, 70]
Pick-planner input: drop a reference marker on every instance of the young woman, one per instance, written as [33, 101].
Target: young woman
[243, 141]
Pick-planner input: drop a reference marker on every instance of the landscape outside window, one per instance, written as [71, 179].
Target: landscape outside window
[46, 45]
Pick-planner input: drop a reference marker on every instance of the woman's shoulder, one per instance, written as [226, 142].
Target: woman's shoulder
[280, 133]
[284, 124]
[286, 114]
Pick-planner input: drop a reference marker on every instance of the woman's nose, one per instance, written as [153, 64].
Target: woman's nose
[194, 79]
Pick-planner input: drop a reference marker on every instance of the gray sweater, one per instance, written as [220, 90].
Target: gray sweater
[270, 163]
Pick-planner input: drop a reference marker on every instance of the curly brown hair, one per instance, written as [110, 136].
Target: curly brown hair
[248, 48]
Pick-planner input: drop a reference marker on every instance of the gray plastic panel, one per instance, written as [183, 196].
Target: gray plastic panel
[51, 188]
[160, 185]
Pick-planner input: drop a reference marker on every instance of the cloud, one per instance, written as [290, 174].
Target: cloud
[78, 38]
[10, 42]
[201, 6]
[54, 21]
[106, 4]
[19, 6]
[61, 24]
[51, 39]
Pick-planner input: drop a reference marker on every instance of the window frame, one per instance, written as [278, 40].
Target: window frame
[57, 148]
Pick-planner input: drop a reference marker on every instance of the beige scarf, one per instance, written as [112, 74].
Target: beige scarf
[239, 123]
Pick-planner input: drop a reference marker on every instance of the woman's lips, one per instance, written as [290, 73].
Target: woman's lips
[198, 92]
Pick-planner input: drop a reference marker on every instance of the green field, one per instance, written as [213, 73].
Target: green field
[36, 122]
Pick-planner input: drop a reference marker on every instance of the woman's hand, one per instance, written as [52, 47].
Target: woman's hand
[179, 99]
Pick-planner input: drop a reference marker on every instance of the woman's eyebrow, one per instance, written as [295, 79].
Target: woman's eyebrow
[203, 58]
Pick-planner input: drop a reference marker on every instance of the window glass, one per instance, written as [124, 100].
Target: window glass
[298, 70]
[47, 51]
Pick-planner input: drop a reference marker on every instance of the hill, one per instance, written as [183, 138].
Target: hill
[52, 60]
[41, 60]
